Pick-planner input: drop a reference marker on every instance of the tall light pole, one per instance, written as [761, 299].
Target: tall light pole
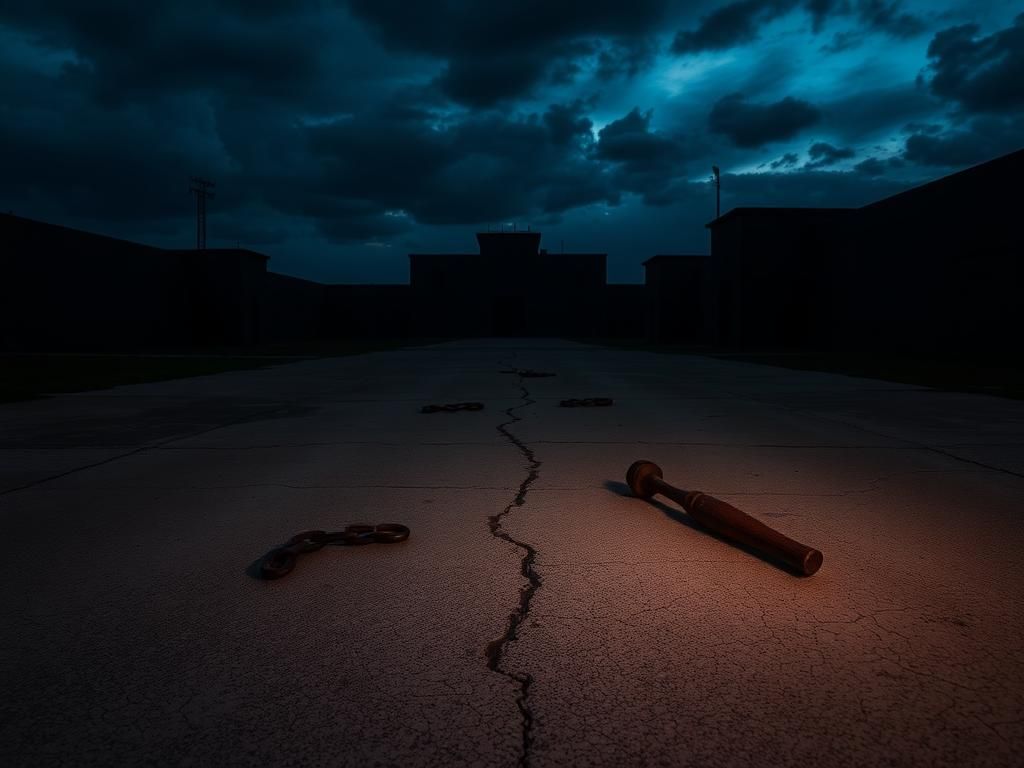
[717, 178]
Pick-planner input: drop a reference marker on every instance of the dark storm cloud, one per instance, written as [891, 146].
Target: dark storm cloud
[483, 80]
[887, 16]
[844, 41]
[381, 175]
[625, 58]
[983, 138]
[58, 147]
[482, 167]
[788, 160]
[824, 154]
[646, 162]
[629, 140]
[870, 167]
[499, 52]
[125, 50]
[568, 122]
[930, 128]
[378, 158]
[980, 73]
[739, 22]
[344, 122]
[753, 125]
[362, 222]
[730, 25]
[147, 116]
[121, 169]
[871, 110]
[455, 26]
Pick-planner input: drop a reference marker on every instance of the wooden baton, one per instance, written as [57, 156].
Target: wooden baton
[645, 480]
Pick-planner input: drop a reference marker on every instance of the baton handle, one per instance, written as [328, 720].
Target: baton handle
[724, 519]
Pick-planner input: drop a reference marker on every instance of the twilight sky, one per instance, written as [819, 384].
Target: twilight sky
[344, 135]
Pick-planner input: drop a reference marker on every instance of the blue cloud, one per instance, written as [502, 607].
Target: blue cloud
[750, 124]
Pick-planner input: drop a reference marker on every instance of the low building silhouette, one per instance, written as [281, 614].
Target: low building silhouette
[769, 273]
[64, 289]
[933, 270]
[674, 290]
[69, 290]
[224, 295]
[512, 287]
[937, 269]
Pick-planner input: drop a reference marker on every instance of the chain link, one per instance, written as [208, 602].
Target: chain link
[587, 402]
[529, 373]
[451, 407]
[281, 561]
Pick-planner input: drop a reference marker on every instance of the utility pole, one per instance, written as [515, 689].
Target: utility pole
[717, 178]
[201, 189]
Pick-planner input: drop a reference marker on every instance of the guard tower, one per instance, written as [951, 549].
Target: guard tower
[512, 287]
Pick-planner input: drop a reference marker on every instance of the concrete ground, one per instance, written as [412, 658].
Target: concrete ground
[537, 615]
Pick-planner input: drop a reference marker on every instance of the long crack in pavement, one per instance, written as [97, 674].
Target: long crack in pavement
[496, 648]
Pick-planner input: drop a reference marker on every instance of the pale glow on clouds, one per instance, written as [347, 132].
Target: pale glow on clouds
[321, 120]
[679, 73]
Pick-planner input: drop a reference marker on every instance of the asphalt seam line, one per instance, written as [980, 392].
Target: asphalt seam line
[495, 650]
[160, 445]
[939, 450]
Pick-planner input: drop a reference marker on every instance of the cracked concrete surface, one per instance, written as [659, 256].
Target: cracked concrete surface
[497, 648]
[536, 616]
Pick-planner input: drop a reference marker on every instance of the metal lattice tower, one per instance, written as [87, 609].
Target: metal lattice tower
[201, 188]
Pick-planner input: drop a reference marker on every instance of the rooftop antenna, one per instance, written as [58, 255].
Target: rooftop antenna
[201, 189]
[717, 178]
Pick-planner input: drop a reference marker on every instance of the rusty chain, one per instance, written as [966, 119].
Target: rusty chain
[451, 407]
[529, 373]
[281, 561]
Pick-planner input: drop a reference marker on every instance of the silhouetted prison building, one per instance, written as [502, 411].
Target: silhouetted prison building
[65, 289]
[291, 308]
[511, 287]
[950, 252]
[933, 270]
[769, 274]
[224, 295]
[674, 290]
